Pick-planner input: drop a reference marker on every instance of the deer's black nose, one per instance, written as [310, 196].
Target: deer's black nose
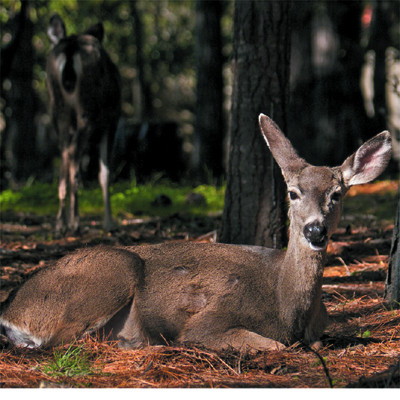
[316, 234]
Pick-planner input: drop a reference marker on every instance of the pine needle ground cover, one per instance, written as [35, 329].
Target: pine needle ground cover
[361, 345]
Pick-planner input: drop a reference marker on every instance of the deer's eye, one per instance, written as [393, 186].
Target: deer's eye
[335, 198]
[293, 195]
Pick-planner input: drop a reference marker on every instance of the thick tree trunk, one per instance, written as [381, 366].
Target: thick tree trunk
[392, 290]
[209, 129]
[19, 138]
[326, 65]
[254, 210]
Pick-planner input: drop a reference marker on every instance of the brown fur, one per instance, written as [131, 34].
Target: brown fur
[47, 304]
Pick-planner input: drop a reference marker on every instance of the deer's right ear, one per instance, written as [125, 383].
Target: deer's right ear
[56, 30]
[369, 161]
[97, 31]
[281, 148]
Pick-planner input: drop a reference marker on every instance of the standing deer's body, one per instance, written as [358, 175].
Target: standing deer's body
[218, 295]
[84, 87]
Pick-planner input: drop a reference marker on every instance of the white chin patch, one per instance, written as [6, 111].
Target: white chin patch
[316, 247]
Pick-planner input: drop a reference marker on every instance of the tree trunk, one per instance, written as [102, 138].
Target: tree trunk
[326, 65]
[19, 139]
[392, 290]
[254, 210]
[147, 106]
[209, 129]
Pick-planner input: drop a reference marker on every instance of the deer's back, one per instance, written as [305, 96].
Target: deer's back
[230, 283]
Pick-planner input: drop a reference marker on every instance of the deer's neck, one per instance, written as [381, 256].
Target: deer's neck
[303, 262]
[300, 284]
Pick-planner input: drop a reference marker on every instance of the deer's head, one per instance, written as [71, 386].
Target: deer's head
[316, 193]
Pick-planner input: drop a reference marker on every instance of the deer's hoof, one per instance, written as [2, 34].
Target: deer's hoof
[317, 345]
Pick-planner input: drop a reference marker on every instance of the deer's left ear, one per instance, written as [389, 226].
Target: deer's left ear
[369, 161]
[281, 148]
[56, 30]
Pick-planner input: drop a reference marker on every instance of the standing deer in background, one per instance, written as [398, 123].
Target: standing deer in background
[217, 295]
[84, 87]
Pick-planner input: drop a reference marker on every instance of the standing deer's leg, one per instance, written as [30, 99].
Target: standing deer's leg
[62, 192]
[74, 186]
[104, 179]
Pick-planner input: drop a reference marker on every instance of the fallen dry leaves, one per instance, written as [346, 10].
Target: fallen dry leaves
[361, 345]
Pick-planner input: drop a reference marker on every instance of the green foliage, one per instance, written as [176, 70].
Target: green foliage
[69, 363]
[126, 199]
[139, 199]
[39, 198]
[379, 206]
[168, 46]
[365, 335]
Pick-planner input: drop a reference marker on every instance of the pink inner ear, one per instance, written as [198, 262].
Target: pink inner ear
[370, 161]
[371, 155]
[369, 170]
[365, 158]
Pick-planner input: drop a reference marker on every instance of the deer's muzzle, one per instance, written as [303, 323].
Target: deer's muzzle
[316, 235]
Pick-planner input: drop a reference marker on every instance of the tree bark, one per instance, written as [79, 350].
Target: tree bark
[254, 210]
[19, 139]
[147, 106]
[326, 65]
[209, 129]
[392, 289]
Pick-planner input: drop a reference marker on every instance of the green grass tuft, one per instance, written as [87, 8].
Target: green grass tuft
[72, 362]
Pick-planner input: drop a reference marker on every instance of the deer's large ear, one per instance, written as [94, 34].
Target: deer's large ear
[281, 148]
[56, 30]
[369, 161]
[97, 31]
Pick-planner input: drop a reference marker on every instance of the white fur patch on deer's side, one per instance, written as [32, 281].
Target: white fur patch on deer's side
[61, 60]
[77, 64]
[20, 337]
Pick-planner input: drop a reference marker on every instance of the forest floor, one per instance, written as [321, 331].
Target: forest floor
[361, 346]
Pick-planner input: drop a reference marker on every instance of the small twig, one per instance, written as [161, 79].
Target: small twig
[345, 265]
[213, 356]
[239, 367]
[339, 296]
[210, 235]
[165, 340]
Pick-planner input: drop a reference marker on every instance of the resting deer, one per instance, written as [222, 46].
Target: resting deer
[218, 295]
[84, 87]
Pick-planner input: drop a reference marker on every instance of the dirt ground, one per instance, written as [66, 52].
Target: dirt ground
[361, 345]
